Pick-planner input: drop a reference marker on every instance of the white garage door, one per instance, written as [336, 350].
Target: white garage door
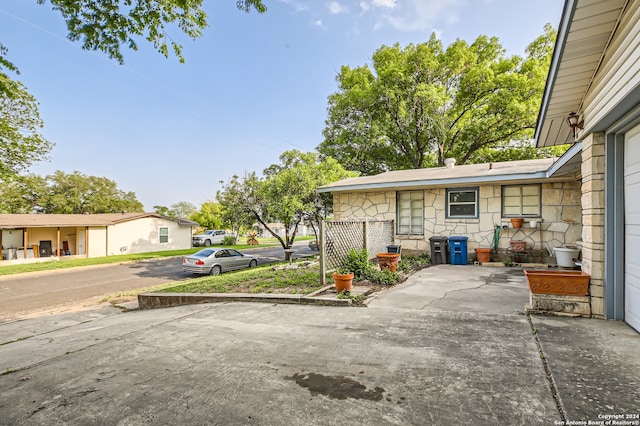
[632, 228]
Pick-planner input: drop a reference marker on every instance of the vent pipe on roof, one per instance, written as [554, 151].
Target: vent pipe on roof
[449, 162]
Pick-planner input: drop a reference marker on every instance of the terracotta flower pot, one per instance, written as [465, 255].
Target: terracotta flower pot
[388, 261]
[569, 283]
[343, 281]
[484, 254]
[516, 222]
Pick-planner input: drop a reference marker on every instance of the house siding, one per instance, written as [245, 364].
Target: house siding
[561, 217]
[140, 236]
[619, 73]
[97, 241]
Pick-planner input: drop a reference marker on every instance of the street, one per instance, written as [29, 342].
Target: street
[54, 291]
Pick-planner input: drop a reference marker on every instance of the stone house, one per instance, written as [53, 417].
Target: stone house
[591, 100]
[471, 201]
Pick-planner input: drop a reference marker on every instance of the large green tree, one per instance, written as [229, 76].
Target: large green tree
[209, 216]
[423, 103]
[66, 193]
[105, 25]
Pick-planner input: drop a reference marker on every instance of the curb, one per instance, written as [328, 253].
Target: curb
[166, 300]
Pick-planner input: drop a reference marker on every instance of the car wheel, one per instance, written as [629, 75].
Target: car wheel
[253, 263]
[207, 243]
[215, 270]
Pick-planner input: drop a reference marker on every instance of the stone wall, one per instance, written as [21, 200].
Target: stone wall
[593, 199]
[560, 222]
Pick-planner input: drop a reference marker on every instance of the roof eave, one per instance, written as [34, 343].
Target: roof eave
[438, 182]
[556, 60]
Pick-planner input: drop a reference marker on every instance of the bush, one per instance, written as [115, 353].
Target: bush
[384, 277]
[409, 263]
[229, 240]
[357, 261]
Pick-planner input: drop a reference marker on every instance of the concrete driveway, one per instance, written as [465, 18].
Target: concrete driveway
[430, 351]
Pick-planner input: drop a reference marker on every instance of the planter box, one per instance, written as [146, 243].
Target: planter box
[570, 283]
[518, 245]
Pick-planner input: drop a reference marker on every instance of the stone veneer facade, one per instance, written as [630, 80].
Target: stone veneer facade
[561, 220]
[593, 202]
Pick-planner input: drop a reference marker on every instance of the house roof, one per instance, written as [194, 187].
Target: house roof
[65, 220]
[584, 34]
[504, 172]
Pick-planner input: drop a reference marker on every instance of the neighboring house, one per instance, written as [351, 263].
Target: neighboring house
[471, 201]
[31, 236]
[594, 85]
[595, 73]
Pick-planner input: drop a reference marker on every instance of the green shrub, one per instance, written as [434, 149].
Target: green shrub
[357, 261]
[383, 277]
[229, 240]
[410, 263]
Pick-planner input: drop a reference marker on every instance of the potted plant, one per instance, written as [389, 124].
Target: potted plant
[483, 254]
[343, 279]
[516, 222]
[388, 261]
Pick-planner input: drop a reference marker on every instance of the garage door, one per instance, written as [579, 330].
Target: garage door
[632, 228]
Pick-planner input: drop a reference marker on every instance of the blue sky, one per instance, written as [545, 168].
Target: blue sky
[252, 87]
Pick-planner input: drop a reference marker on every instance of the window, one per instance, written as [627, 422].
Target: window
[410, 212]
[521, 200]
[163, 232]
[462, 203]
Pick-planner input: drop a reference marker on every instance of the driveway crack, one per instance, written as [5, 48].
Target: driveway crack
[547, 370]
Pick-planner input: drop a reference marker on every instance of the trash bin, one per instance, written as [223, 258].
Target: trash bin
[458, 248]
[393, 248]
[439, 250]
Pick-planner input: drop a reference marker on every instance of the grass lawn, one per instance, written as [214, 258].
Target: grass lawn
[256, 280]
[72, 263]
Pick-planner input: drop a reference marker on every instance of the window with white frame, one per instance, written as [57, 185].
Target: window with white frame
[462, 203]
[410, 212]
[163, 233]
[521, 200]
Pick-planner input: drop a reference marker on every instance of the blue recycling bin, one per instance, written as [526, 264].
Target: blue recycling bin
[458, 250]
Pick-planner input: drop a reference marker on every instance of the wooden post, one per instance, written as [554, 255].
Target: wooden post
[58, 242]
[365, 230]
[86, 241]
[323, 254]
[25, 241]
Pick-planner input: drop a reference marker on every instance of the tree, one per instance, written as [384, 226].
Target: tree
[422, 104]
[105, 25]
[182, 209]
[286, 195]
[209, 216]
[21, 144]
[78, 193]
[23, 194]
[163, 210]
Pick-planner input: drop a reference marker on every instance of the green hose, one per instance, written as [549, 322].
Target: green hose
[496, 238]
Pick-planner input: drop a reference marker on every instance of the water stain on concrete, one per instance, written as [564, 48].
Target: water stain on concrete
[337, 387]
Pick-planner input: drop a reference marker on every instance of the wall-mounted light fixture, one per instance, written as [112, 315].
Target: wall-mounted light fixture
[573, 120]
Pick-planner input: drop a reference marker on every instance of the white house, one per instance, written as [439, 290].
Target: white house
[26, 236]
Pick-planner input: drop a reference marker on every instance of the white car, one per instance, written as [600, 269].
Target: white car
[209, 237]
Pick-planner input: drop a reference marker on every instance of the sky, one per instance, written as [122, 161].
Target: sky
[253, 86]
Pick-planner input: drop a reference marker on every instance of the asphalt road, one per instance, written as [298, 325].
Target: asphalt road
[35, 293]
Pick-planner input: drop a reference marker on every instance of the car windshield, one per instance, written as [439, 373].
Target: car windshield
[208, 232]
[204, 253]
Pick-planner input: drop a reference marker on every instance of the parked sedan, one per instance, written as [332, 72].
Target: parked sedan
[214, 261]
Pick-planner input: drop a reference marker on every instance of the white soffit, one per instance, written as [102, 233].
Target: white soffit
[582, 47]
